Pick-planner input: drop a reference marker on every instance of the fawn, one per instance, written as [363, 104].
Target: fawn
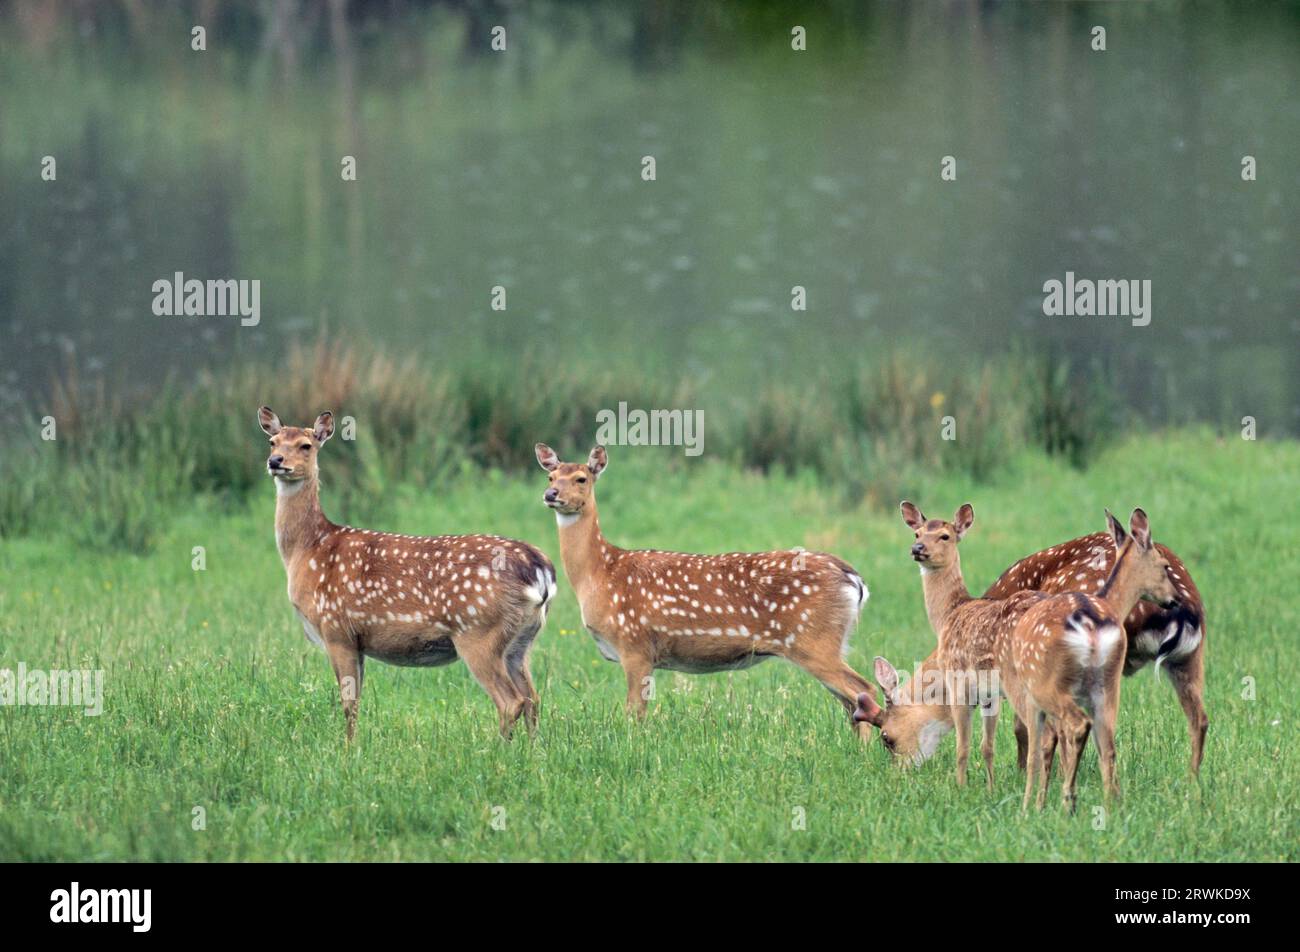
[1174, 638]
[404, 600]
[1065, 658]
[702, 613]
[913, 722]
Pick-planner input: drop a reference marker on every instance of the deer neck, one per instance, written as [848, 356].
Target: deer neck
[945, 592]
[583, 549]
[1121, 591]
[299, 522]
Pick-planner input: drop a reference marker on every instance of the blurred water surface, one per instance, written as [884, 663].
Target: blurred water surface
[775, 168]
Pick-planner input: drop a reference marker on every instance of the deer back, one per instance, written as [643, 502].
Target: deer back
[383, 585]
[766, 602]
[1084, 564]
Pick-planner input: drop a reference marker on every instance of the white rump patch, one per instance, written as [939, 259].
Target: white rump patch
[1108, 638]
[857, 594]
[1188, 643]
[544, 590]
[1092, 648]
[1145, 647]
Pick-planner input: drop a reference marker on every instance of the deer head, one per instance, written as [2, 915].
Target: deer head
[571, 485]
[936, 540]
[912, 722]
[293, 448]
[1140, 567]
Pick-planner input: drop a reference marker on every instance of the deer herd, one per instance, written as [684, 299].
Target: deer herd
[1053, 635]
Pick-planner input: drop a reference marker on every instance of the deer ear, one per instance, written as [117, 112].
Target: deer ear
[887, 678]
[911, 515]
[597, 461]
[268, 421]
[1116, 530]
[1141, 529]
[323, 429]
[964, 519]
[546, 457]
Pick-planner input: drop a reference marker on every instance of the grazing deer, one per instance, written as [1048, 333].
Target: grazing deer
[405, 600]
[701, 613]
[1174, 638]
[967, 629]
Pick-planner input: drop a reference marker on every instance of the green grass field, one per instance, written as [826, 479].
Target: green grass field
[214, 699]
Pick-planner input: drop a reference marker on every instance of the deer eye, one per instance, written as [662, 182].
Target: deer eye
[944, 537]
[582, 479]
[305, 446]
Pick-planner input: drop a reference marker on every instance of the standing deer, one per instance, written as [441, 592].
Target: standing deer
[1174, 638]
[401, 599]
[701, 613]
[1064, 659]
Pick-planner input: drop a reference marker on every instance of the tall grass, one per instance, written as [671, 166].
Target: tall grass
[115, 472]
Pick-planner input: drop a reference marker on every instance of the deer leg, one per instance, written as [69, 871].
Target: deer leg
[1022, 743]
[520, 675]
[1073, 731]
[1104, 728]
[639, 669]
[348, 666]
[1188, 679]
[989, 723]
[961, 721]
[484, 655]
[1049, 751]
[1034, 765]
[1043, 768]
[1047, 733]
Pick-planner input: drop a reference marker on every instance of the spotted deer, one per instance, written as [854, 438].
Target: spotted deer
[1059, 657]
[405, 600]
[1064, 659]
[1172, 637]
[955, 675]
[652, 610]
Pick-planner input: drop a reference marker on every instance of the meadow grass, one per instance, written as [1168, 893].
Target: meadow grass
[214, 699]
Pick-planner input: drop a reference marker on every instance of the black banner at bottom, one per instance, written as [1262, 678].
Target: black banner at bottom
[333, 901]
